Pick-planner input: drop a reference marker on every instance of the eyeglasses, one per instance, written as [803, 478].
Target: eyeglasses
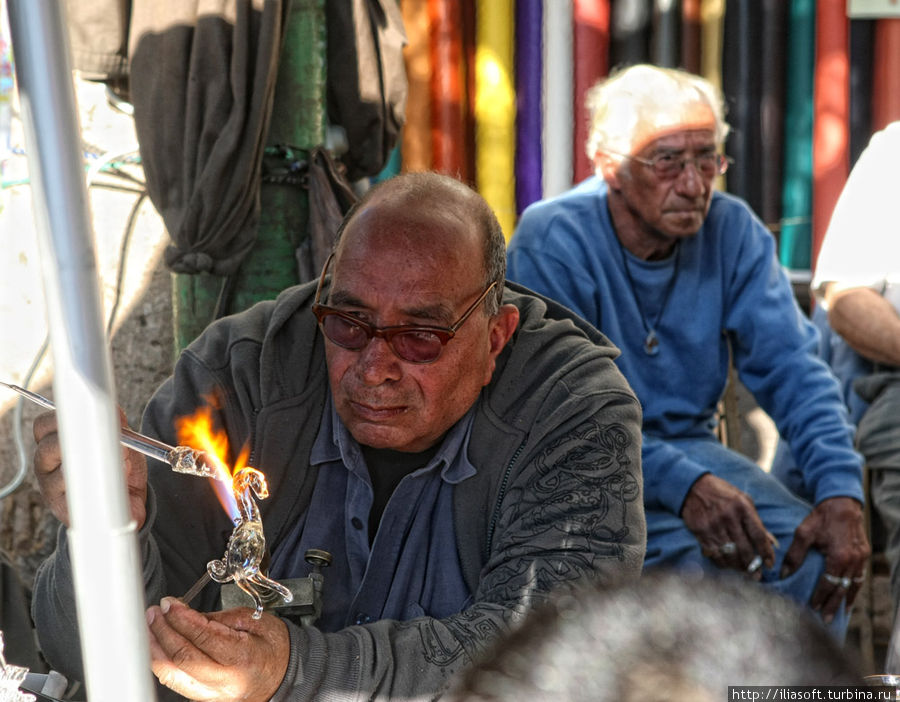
[413, 343]
[669, 166]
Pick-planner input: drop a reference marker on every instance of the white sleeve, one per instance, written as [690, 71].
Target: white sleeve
[861, 247]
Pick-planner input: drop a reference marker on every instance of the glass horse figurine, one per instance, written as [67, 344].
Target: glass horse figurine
[11, 676]
[247, 545]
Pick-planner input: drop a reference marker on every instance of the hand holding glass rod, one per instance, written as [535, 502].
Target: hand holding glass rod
[183, 459]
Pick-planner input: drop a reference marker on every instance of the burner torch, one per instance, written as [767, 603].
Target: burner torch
[183, 459]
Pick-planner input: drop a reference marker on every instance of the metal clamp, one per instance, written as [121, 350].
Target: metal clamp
[306, 605]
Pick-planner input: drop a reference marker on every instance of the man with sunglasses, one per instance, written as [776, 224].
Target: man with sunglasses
[459, 446]
[683, 278]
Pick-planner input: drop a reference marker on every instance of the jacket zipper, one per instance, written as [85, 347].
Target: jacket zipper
[495, 515]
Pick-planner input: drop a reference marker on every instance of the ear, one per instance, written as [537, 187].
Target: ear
[607, 167]
[503, 326]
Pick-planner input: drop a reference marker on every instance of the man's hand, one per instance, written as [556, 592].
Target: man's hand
[52, 484]
[218, 656]
[726, 524]
[834, 527]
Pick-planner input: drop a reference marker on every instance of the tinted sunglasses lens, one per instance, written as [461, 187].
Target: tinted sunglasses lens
[343, 332]
[416, 346]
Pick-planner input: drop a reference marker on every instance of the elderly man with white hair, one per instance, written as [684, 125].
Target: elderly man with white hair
[682, 278]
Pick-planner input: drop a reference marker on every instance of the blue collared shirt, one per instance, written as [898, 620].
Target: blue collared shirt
[412, 567]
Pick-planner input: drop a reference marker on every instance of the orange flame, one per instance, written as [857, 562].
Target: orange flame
[200, 433]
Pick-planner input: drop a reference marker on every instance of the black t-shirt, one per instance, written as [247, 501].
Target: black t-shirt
[386, 469]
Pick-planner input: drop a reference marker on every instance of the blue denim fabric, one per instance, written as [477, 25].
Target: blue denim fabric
[670, 544]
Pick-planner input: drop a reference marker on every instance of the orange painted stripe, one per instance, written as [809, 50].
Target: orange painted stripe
[590, 36]
[831, 110]
[416, 147]
[448, 140]
[690, 35]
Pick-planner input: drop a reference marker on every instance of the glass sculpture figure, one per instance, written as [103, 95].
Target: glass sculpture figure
[11, 676]
[247, 545]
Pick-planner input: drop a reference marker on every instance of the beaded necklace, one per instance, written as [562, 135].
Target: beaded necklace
[651, 340]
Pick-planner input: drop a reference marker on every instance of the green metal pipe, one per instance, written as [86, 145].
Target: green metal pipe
[298, 122]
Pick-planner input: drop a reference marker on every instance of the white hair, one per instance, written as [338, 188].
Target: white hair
[633, 99]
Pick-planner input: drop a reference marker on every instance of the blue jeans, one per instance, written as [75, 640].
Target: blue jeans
[670, 544]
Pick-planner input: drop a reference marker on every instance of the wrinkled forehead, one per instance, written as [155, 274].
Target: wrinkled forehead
[690, 117]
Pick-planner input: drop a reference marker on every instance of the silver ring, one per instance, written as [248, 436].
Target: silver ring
[842, 582]
[729, 548]
[755, 564]
[860, 579]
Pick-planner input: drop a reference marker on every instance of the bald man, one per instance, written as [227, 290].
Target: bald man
[459, 446]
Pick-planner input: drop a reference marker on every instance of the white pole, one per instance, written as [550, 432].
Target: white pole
[558, 102]
[102, 537]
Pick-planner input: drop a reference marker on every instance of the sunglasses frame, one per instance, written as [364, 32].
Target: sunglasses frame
[443, 334]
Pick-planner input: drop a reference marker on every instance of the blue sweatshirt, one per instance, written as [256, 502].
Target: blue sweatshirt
[723, 282]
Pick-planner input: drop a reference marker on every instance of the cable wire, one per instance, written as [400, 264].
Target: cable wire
[109, 164]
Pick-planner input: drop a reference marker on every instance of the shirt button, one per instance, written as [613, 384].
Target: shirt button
[357, 523]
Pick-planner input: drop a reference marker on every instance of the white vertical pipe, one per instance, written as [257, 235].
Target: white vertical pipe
[102, 537]
[558, 97]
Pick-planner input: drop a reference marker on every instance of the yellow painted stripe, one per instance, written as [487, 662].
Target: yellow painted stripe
[495, 109]
[712, 19]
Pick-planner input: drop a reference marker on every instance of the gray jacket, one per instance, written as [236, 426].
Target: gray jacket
[557, 495]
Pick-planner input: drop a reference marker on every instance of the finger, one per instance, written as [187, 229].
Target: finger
[734, 557]
[754, 569]
[745, 551]
[45, 423]
[239, 619]
[853, 592]
[797, 552]
[848, 565]
[856, 570]
[831, 601]
[161, 662]
[830, 585]
[47, 467]
[749, 537]
[173, 643]
[176, 679]
[183, 662]
[218, 642]
[722, 552]
[760, 541]
[47, 455]
[136, 480]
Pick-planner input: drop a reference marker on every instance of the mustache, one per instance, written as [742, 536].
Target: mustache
[377, 400]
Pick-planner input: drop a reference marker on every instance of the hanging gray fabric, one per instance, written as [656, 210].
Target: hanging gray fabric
[330, 198]
[98, 38]
[367, 84]
[202, 85]
[202, 76]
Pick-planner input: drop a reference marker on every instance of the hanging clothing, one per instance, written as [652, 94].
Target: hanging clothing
[201, 78]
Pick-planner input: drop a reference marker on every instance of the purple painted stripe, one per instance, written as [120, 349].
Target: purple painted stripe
[528, 102]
